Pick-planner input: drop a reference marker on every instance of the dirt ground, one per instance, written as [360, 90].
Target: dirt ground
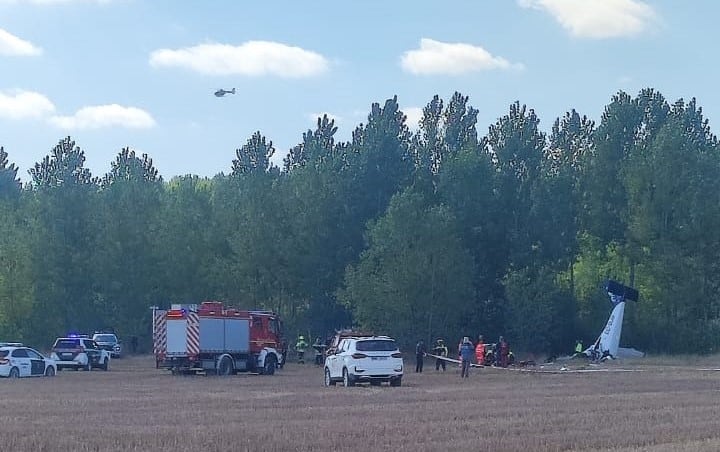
[661, 406]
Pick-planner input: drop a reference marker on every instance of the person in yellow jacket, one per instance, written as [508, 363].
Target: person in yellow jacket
[300, 348]
[440, 350]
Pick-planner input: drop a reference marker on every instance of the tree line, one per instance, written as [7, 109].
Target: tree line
[436, 232]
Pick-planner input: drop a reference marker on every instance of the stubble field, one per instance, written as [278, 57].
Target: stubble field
[134, 407]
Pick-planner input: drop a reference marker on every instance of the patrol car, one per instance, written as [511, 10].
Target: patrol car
[18, 361]
[76, 352]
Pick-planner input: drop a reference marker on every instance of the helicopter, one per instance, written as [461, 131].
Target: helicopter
[221, 92]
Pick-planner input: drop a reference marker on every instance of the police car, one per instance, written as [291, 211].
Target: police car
[16, 362]
[79, 352]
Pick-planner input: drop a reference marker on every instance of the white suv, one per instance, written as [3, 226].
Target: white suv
[371, 359]
[79, 353]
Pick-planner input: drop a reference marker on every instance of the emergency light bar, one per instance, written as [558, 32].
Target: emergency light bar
[176, 314]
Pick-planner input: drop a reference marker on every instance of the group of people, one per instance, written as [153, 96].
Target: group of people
[498, 354]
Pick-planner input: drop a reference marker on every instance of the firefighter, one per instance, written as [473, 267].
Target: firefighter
[440, 350]
[300, 348]
[480, 351]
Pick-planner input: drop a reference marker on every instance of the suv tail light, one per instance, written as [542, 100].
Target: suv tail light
[397, 355]
[359, 355]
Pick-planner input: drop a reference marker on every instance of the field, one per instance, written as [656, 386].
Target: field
[134, 407]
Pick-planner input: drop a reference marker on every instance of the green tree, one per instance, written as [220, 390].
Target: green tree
[65, 289]
[9, 183]
[415, 278]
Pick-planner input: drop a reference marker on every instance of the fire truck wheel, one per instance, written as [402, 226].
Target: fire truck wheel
[269, 367]
[225, 367]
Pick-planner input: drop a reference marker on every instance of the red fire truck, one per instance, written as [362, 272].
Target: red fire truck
[213, 338]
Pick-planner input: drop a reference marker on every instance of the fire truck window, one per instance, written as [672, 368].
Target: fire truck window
[256, 322]
[273, 326]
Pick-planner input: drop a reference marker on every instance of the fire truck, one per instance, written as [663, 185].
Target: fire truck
[216, 339]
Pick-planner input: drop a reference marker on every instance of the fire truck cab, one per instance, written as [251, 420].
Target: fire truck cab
[213, 338]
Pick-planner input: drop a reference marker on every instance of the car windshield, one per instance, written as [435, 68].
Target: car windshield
[67, 343]
[382, 345]
[105, 338]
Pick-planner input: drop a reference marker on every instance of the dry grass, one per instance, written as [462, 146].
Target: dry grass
[135, 407]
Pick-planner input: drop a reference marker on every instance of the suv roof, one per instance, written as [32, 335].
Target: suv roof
[372, 338]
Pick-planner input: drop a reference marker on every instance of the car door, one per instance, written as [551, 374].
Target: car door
[340, 355]
[20, 359]
[92, 350]
[333, 360]
[37, 363]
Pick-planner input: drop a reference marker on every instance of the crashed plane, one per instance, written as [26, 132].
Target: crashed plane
[608, 344]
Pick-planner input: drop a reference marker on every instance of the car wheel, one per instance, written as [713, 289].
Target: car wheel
[328, 379]
[225, 368]
[105, 365]
[396, 382]
[50, 371]
[14, 373]
[87, 367]
[348, 380]
[77, 367]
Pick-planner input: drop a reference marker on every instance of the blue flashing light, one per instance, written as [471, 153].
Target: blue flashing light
[73, 335]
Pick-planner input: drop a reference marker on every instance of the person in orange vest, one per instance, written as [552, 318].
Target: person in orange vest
[480, 351]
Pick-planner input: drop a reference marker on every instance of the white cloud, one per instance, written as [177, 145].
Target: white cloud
[435, 57]
[12, 45]
[99, 116]
[252, 58]
[24, 104]
[414, 115]
[598, 19]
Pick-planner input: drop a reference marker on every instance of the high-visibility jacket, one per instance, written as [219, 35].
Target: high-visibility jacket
[480, 353]
[578, 347]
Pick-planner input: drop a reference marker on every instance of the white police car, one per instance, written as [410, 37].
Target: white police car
[75, 352]
[16, 362]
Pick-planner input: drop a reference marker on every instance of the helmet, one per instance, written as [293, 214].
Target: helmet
[302, 338]
[440, 340]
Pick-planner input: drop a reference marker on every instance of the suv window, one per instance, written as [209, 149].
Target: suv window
[67, 343]
[19, 353]
[379, 345]
[32, 354]
[105, 338]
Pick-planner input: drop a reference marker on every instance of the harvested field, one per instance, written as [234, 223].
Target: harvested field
[135, 407]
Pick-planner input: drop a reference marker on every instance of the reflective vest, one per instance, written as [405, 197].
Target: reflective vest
[480, 353]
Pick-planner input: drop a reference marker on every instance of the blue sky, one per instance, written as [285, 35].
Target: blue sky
[117, 73]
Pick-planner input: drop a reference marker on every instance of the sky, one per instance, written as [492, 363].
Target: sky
[142, 73]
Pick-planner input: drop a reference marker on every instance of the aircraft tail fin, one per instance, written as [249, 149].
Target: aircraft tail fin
[609, 340]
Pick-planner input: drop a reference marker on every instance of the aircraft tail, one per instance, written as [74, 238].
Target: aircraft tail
[609, 340]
